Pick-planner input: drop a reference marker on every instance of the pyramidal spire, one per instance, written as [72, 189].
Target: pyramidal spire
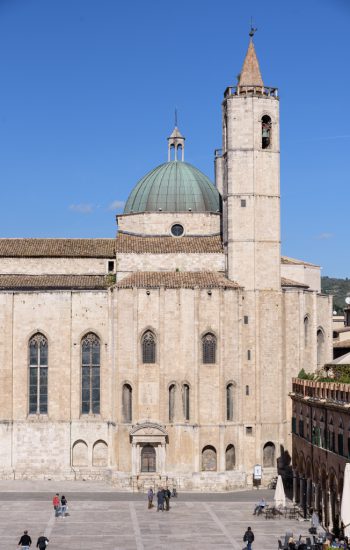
[250, 75]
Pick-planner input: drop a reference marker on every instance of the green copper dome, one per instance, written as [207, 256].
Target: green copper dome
[174, 187]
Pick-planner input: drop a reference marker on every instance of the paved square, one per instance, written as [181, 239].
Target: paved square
[102, 520]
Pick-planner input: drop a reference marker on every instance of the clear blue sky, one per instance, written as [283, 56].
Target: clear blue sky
[88, 90]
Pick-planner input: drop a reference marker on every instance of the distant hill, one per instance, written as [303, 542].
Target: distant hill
[340, 288]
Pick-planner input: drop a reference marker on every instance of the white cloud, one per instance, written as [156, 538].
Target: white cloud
[116, 205]
[325, 236]
[82, 208]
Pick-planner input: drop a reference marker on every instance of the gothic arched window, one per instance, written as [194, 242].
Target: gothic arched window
[320, 347]
[265, 132]
[172, 394]
[306, 331]
[186, 401]
[209, 348]
[230, 457]
[229, 402]
[148, 347]
[90, 374]
[38, 366]
[127, 403]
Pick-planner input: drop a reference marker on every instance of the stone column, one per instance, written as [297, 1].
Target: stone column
[330, 512]
[295, 481]
[308, 493]
[301, 492]
[134, 459]
[161, 454]
[222, 457]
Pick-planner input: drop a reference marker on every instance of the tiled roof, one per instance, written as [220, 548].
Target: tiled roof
[57, 248]
[134, 244]
[294, 261]
[289, 282]
[343, 344]
[153, 279]
[55, 282]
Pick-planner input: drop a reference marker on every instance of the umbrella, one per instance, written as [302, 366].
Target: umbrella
[345, 501]
[280, 497]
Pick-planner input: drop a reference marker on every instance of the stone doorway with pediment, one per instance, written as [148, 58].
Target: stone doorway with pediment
[148, 448]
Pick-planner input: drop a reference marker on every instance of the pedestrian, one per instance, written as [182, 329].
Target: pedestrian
[25, 541]
[63, 506]
[56, 504]
[160, 499]
[249, 538]
[150, 496]
[42, 542]
[167, 495]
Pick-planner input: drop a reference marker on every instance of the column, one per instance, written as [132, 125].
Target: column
[308, 493]
[161, 455]
[134, 459]
[294, 486]
[301, 492]
[222, 457]
[330, 512]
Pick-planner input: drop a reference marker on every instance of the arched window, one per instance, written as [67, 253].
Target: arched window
[186, 401]
[172, 396]
[209, 348]
[229, 402]
[230, 457]
[148, 347]
[320, 347]
[127, 403]
[209, 459]
[269, 455]
[38, 364]
[90, 374]
[306, 331]
[265, 132]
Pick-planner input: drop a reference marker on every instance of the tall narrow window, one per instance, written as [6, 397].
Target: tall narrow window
[186, 401]
[265, 132]
[306, 331]
[38, 362]
[229, 402]
[172, 394]
[148, 347]
[90, 375]
[127, 403]
[320, 347]
[209, 348]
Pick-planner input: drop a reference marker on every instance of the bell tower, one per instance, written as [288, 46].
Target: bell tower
[250, 179]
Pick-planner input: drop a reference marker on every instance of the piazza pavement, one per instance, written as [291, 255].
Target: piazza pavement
[102, 519]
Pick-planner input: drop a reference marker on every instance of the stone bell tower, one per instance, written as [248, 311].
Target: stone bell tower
[248, 175]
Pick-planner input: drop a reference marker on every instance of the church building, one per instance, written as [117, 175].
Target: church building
[165, 354]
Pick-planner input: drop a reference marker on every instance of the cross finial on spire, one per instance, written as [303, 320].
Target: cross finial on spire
[175, 117]
[252, 29]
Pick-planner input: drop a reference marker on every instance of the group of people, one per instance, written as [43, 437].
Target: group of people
[60, 506]
[163, 498]
[25, 542]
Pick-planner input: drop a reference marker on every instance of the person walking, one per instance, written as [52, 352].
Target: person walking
[25, 541]
[63, 506]
[160, 499]
[167, 495]
[42, 542]
[56, 504]
[249, 538]
[150, 496]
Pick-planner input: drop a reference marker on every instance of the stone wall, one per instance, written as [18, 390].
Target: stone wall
[160, 223]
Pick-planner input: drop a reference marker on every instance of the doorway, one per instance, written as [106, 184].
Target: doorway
[148, 459]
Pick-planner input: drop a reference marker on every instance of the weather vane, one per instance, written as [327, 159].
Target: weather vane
[252, 29]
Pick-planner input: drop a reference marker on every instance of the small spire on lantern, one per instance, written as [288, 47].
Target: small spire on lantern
[176, 143]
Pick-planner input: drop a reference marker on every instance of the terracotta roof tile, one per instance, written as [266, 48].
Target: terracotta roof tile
[153, 279]
[294, 261]
[288, 282]
[134, 244]
[57, 248]
[55, 282]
